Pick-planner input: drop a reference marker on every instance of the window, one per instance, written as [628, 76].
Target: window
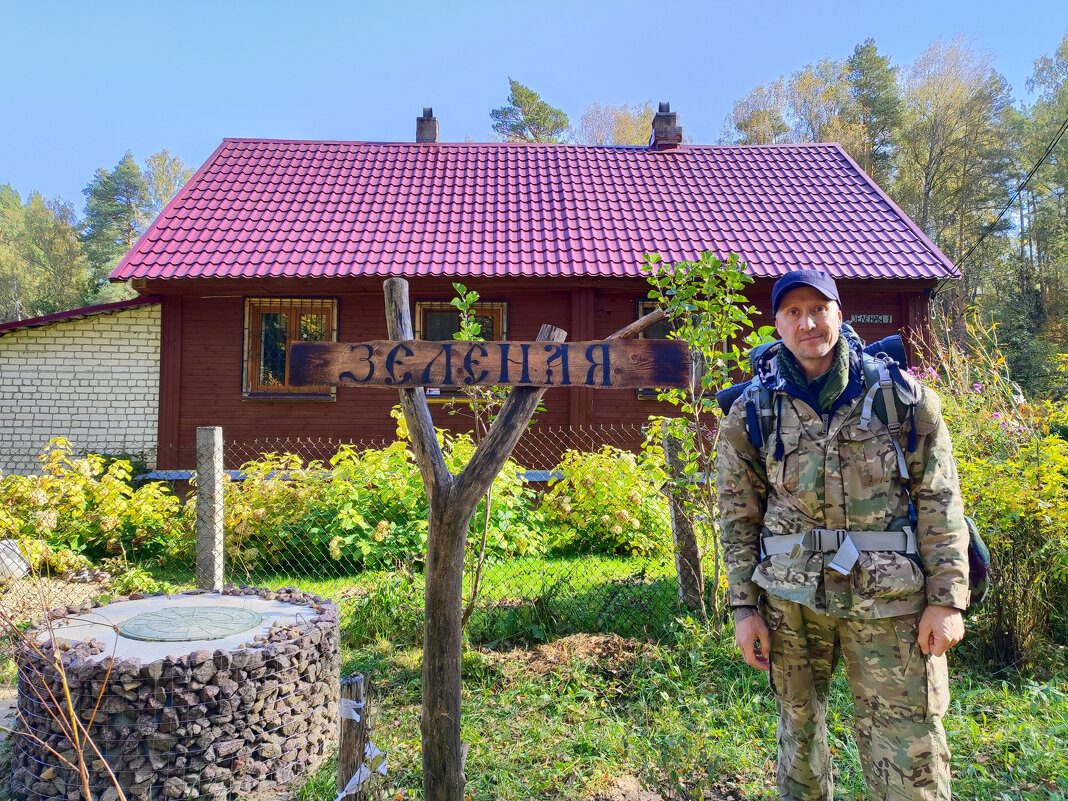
[661, 330]
[658, 330]
[270, 325]
[437, 321]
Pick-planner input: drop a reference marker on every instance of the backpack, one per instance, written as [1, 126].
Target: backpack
[889, 397]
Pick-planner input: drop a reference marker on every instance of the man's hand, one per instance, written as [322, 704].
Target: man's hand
[941, 627]
[752, 636]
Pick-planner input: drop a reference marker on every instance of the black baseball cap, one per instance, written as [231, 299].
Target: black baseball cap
[817, 279]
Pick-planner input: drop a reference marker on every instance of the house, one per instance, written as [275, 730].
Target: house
[275, 241]
[90, 375]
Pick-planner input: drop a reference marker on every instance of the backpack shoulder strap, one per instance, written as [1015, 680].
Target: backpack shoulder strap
[885, 398]
[759, 415]
[880, 396]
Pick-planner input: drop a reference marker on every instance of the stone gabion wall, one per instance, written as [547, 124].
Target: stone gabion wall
[207, 724]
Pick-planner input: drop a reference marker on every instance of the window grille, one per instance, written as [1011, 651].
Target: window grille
[437, 321]
[271, 324]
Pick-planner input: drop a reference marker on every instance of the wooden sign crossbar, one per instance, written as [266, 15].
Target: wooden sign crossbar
[606, 364]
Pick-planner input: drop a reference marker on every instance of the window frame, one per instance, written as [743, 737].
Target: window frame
[498, 309]
[252, 332]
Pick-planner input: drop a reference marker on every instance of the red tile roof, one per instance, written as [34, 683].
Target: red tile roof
[262, 208]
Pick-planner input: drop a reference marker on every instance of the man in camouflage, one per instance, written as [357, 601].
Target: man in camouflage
[824, 560]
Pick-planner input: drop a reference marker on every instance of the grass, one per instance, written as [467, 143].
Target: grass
[580, 671]
[557, 717]
[557, 722]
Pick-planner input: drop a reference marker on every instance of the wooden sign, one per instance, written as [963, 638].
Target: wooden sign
[608, 364]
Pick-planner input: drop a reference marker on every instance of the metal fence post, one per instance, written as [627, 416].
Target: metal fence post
[209, 557]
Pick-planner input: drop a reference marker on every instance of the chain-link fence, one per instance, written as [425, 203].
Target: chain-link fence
[575, 536]
[584, 544]
[580, 543]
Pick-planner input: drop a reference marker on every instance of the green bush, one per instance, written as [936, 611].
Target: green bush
[262, 512]
[363, 510]
[136, 579]
[85, 507]
[607, 502]
[515, 526]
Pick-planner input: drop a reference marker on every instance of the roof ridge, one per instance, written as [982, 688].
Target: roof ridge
[539, 145]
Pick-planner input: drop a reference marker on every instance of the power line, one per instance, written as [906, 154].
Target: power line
[1019, 189]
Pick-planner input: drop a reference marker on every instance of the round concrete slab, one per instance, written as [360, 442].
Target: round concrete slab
[209, 611]
[189, 623]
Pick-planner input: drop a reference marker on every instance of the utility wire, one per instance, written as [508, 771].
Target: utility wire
[1019, 189]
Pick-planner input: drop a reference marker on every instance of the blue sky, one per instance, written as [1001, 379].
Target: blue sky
[85, 81]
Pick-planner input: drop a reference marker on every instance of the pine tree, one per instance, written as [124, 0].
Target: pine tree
[874, 88]
[528, 118]
[117, 205]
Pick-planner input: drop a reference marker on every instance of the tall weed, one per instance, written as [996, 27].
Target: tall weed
[1013, 463]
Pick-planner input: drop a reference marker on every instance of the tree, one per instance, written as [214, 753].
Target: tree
[707, 308]
[820, 102]
[759, 118]
[873, 85]
[952, 152]
[616, 125]
[117, 205]
[13, 275]
[164, 176]
[43, 267]
[1047, 189]
[55, 252]
[528, 118]
[1029, 297]
[951, 96]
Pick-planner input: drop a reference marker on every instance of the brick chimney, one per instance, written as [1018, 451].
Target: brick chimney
[667, 133]
[426, 127]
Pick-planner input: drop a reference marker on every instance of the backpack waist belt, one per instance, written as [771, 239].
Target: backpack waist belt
[845, 545]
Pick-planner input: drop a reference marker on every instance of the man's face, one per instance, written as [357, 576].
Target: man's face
[809, 325]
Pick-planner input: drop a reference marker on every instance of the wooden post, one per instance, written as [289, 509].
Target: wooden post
[352, 739]
[209, 548]
[691, 578]
[453, 500]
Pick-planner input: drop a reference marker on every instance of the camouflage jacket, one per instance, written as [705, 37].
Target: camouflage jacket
[834, 474]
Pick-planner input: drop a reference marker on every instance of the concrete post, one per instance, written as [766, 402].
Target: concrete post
[209, 557]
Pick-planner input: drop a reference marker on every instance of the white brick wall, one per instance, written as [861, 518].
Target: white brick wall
[94, 380]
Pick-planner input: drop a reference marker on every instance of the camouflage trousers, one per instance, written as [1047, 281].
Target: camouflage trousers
[900, 696]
